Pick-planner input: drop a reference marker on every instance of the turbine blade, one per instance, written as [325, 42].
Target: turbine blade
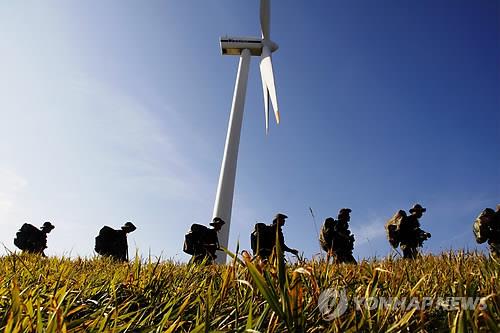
[266, 103]
[265, 17]
[266, 72]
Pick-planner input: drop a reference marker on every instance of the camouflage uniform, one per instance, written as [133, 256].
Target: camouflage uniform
[411, 237]
[336, 238]
[487, 228]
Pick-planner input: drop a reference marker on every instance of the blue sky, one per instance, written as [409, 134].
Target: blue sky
[116, 111]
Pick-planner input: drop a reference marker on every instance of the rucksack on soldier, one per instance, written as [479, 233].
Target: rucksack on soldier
[193, 238]
[29, 238]
[392, 228]
[262, 237]
[326, 234]
[104, 241]
[481, 226]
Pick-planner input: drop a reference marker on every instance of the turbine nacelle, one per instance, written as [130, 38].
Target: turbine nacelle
[235, 45]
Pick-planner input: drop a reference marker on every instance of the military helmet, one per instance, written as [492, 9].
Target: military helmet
[47, 226]
[217, 221]
[128, 227]
[345, 211]
[278, 216]
[417, 208]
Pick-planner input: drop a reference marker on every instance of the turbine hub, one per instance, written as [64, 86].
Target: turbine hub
[269, 43]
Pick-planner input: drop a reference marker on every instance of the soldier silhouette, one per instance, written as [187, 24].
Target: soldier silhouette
[405, 231]
[30, 239]
[202, 242]
[487, 229]
[263, 238]
[113, 243]
[336, 238]
[278, 223]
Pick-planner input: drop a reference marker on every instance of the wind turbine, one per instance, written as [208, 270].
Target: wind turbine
[244, 47]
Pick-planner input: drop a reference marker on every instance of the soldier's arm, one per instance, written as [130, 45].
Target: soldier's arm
[287, 249]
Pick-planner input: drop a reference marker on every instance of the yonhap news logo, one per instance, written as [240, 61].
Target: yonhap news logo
[333, 303]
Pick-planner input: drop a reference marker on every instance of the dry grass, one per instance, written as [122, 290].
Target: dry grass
[98, 295]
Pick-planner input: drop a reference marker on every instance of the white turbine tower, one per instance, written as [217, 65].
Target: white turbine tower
[244, 47]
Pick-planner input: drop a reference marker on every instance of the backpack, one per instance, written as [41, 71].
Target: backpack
[392, 228]
[193, 238]
[30, 238]
[262, 237]
[335, 236]
[104, 241]
[326, 235]
[481, 227]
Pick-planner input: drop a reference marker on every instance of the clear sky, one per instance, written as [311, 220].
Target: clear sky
[115, 111]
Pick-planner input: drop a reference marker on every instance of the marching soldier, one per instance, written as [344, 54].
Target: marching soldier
[278, 223]
[487, 228]
[336, 238]
[113, 243]
[263, 238]
[30, 239]
[202, 242]
[405, 231]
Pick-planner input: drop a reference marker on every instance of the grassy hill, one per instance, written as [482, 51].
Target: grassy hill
[389, 295]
